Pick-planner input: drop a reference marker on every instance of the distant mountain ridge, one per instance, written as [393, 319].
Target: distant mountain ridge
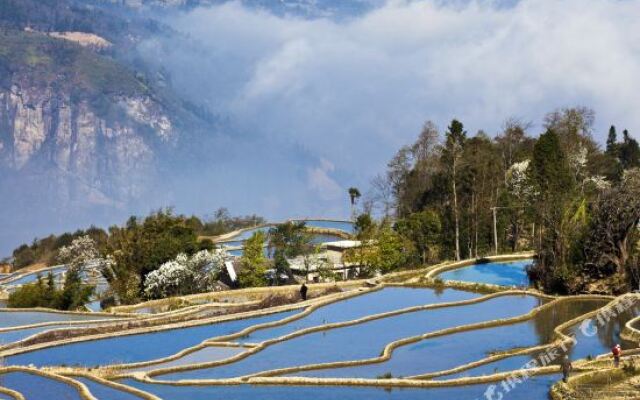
[307, 8]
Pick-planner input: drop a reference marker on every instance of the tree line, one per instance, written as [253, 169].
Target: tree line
[560, 194]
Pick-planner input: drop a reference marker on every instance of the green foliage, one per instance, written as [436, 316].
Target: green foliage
[547, 194]
[253, 262]
[612, 142]
[364, 226]
[423, 229]
[67, 66]
[281, 266]
[629, 152]
[554, 199]
[386, 250]
[46, 250]
[354, 194]
[550, 169]
[290, 238]
[73, 295]
[141, 247]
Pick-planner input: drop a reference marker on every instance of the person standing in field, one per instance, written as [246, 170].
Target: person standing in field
[566, 368]
[303, 291]
[617, 353]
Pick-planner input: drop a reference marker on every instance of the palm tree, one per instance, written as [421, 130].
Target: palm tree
[354, 194]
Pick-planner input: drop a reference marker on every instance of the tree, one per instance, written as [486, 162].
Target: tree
[386, 252]
[423, 229]
[140, 248]
[286, 241]
[79, 253]
[629, 152]
[290, 237]
[185, 274]
[363, 225]
[74, 293]
[253, 261]
[553, 184]
[354, 195]
[28, 296]
[452, 153]
[281, 266]
[612, 142]
[513, 143]
[614, 229]
[518, 196]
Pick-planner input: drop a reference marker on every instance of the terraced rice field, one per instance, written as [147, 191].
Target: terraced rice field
[379, 342]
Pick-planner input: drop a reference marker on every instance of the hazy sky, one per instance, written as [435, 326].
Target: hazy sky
[346, 93]
[314, 105]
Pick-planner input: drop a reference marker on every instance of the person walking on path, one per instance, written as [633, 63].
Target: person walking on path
[617, 353]
[566, 368]
[303, 291]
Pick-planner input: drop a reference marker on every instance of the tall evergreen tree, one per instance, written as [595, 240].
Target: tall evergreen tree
[553, 183]
[455, 138]
[612, 141]
[629, 152]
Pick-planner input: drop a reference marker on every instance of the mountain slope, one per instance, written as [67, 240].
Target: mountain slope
[86, 131]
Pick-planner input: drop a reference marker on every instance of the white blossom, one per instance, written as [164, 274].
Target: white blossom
[81, 251]
[598, 181]
[185, 275]
[168, 280]
[518, 180]
[578, 160]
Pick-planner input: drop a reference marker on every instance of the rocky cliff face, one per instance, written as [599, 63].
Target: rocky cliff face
[87, 154]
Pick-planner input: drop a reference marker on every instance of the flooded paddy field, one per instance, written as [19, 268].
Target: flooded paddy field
[379, 342]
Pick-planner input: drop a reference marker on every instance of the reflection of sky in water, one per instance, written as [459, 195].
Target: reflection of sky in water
[35, 387]
[136, 348]
[376, 302]
[19, 318]
[495, 273]
[19, 334]
[450, 351]
[34, 276]
[206, 354]
[592, 342]
[534, 388]
[104, 392]
[363, 340]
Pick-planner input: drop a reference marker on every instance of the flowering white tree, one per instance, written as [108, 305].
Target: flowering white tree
[578, 161]
[81, 251]
[170, 279]
[517, 180]
[186, 275]
[598, 182]
[83, 254]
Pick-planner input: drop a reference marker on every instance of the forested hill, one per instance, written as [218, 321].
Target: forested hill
[556, 192]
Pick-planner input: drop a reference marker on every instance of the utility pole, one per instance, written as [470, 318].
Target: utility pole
[495, 228]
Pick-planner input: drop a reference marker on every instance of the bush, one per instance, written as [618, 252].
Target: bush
[73, 295]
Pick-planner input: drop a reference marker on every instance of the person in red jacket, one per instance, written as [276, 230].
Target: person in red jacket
[617, 353]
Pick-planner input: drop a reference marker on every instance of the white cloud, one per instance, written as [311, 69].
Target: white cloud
[352, 91]
[320, 181]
